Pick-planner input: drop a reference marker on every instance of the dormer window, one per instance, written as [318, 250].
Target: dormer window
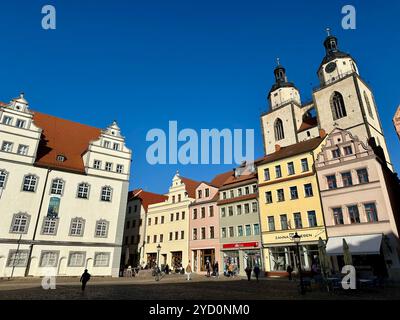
[7, 120]
[20, 123]
[116, 146]
[106, 144]
[60, 158]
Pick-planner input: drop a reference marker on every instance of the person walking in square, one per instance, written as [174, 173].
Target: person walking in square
[188, 271]
[289, 270]
[256, 271]
[248, 272]
[84, 279]
[208, 267]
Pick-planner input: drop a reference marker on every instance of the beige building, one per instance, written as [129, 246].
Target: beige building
[359, 195]
[63, 193]
[396, 121]
[167, 225]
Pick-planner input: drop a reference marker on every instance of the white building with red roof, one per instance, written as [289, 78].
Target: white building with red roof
[63, 194]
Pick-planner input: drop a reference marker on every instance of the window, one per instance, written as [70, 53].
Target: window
[268, 197]
[232, 194]
[278, 172]
[240, 192]
[312, 219]
[116, 146]
[246, 208]
[200, 194]
[293, 193]
[161, 238]
[102, 228]
[17, 258]
[207, 192]
[203, 233]
[297, 220]
[7, 120]
[57, 186]
[223, 212]
[194, 234]
[176, 235]
[211, 211]
[155, 238]
[20, 223]
[231, 232]
[338, 215]
[254, 188]
[254, 207]
[304, 165]
[281, 195]
[179, 198]
[182, 235]
[230, 211]
[347, 180]
[247, 190]
[49, 259]
[370, 211]
[162, 219]
[7, 146]
[49, 226]
[120, 168]
[203, 212]
[149, 221]
[278, 128]
[22, 150]
[354, 214]
[97, 164]
[336, 153]
[173, 199]
[240, 231]
[362, 175]
[331, 180]
[290, 167]
[148, 238]
[194, 214]
[108, 166]
[368, 105]
[224, 195]
[248, 230]
[20, 123]
[177, 216]
[212, 233]
[284, 222]
[170, 237]
[223, 232]
[337, 106]
[271, 223]
[101, 259]
[77, 227]
[30, 183]
[106, 144]
[60, 158]
[128, 224]
[256, 228]
[347, 150]
[266, 175]
[3, 177]
[106, 193]
[133, 224]
[76, 259]
[83, 191]
[239, 209]
[308, 190]
[183, 215]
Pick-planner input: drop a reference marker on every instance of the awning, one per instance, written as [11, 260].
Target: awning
[364, 244]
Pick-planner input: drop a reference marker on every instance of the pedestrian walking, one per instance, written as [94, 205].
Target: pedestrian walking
[129, 272]
[216, 269]
[208, 267]
[289, 270]
[248, 272]
[256, 271]
[84, 279]
[188, 271]
[231, 269]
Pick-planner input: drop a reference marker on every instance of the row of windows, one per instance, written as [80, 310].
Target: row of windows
[238, 192]
[294, 194]
[19, 258]
[20, 224]
[203, 234]
[347, 178]
[238, 210]
[97, 164]
[353, 214]
[298, 223]
[8, 146]
[240, 231]
[107, 144]
[206, 193]
[202, 215]
[19, 123]
[134, 240]
[160, 220]
[178, 198]
[290, 169]
[30, 183]
[135, 209]
[133, 225]
[172, 236]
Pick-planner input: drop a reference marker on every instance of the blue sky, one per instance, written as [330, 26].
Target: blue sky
[205, 64]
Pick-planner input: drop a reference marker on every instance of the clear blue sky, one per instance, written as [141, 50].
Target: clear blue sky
[206, 64]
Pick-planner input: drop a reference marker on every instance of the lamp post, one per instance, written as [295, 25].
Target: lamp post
[158, 254]
[296, 239]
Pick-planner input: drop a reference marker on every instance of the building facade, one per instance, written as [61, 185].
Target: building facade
[358, 206]
[167, 226]
[289, 202]
[240, 238]
[135, 226]
[63, 193]
[396, 121]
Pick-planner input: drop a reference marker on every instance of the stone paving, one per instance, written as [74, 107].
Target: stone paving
[176, 287]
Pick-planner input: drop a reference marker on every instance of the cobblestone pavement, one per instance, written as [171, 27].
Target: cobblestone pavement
[176, 287]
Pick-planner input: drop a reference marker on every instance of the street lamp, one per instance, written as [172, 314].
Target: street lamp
[296, 238]
[158, 254]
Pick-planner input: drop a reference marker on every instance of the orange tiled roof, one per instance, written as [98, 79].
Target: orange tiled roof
[191, 186]
[219, 179]
[63, 137]
[147, 198]
[308, 123]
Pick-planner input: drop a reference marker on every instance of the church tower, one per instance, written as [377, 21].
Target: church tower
[344, 100]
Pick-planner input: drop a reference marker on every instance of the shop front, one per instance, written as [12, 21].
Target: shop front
[176, 260]
[151, 259]
[240, 255]
[200, 257]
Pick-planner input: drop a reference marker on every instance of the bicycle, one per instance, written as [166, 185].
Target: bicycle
[158, 274]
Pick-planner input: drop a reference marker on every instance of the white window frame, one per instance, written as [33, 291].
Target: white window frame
[20, 121]
[23, 147]
[18, 227]
[74, 227]
[103, 232]
[3, 181]
[70, 259]
[120, 168]
[96, 262]
[97, 164]
[49, 223]
[108, 167]
[43, 254]
[106, 193]
[5, 118]
[59, 188]
[80, 193]
[30, 183]
[7, 146]
[15, 255]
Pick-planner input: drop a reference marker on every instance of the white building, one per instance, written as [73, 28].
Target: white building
[63, 194]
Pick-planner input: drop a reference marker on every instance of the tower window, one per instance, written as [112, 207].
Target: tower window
[279, 133]
[368, 105]
[337, 106]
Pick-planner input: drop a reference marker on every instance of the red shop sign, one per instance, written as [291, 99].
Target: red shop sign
[240, 245]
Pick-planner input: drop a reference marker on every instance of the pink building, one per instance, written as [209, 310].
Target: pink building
[396, 121]
[204, 224]
[358, 194]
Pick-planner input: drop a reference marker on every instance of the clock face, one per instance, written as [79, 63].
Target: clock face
[330, 67]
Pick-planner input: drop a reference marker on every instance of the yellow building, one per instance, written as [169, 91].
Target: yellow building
[167, 226]
[289, 202]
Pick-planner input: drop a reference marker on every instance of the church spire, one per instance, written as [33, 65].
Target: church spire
[330, 43]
